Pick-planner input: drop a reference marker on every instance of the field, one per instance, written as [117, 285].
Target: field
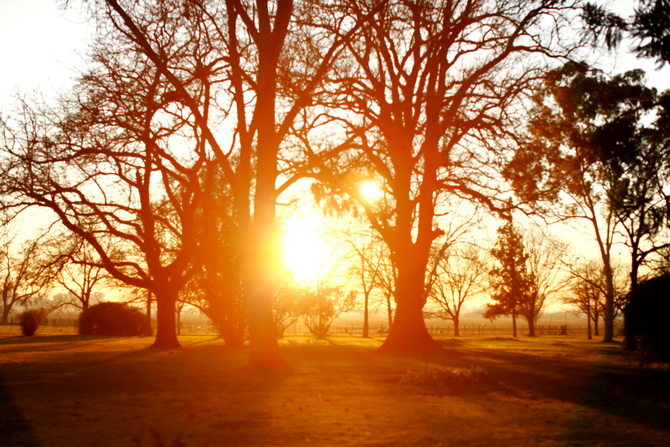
[65, 390]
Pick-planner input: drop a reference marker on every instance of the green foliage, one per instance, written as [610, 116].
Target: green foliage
[112, 319]
[647, 315]
[30, 321]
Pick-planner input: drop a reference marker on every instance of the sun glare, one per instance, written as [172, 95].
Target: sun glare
[302, 246]
[370, 191]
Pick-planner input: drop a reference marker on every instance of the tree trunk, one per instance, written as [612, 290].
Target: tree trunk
[5, 314]
[609, 300]
[588, 320]
[408, 333]
[150, 330]
[166, 328]
[457, 330]
[389, 311]
[514, 322]
[259, 287]
[366, 319]
[531, 326]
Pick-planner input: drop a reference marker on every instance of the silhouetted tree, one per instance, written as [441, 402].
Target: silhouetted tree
[116, 164]
[24, 272]
[545, 257]
[423, 89]
[79, 268]
[582, 131]
[264, 60]
[460, 276]
[588, 293]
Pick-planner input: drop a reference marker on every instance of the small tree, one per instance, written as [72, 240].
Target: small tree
[324, 303]
[23, 274]
[587, 285]
[508, 278]
[30, 321]
[459, 278]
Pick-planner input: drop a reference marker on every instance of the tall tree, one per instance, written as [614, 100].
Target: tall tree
[423, 93]
[268, 57]
[116, 163]
[582, 131]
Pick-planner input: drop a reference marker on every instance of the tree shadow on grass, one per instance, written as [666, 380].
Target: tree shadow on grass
[14, 430]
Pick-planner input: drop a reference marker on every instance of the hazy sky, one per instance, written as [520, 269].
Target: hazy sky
[40, 45]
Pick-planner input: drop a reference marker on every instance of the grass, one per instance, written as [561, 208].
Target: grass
[64, 390]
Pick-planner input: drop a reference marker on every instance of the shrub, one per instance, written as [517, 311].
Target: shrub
[112, 319]
[30, 321]
[647, 315]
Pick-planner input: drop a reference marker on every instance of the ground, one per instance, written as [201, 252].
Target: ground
[66, 390]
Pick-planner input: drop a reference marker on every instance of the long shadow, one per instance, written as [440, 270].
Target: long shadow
[14, 429]
[641, 396]
[609, 386]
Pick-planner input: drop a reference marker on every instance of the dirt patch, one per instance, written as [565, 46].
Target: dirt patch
[72, 391]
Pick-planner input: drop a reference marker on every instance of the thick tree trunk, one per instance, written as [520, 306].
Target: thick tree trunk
[166, 312]
[408, 333]
[259, 287]
[5, 314]
[514, 334]
[531, 326]
[457, 329]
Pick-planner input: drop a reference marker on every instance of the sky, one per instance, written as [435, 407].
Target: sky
[41, 46]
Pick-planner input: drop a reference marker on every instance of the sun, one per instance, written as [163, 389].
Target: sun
[370, 191]
[302, 246]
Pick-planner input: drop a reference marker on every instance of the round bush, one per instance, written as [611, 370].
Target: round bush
[30, 321]
[112, 319]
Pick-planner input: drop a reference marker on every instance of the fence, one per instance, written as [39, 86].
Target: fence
[69, 325]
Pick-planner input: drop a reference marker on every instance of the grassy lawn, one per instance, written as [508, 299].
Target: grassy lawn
[64, 390]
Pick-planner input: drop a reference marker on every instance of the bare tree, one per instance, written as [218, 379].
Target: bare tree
[80, 270]
[324, 303]
[428, 88]
[545, 259]
[25, 273]
[460, 277]
[268, 61]
[110, 164]
[588, 293]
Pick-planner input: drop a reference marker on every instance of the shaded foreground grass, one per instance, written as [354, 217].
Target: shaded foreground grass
[64, 390]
